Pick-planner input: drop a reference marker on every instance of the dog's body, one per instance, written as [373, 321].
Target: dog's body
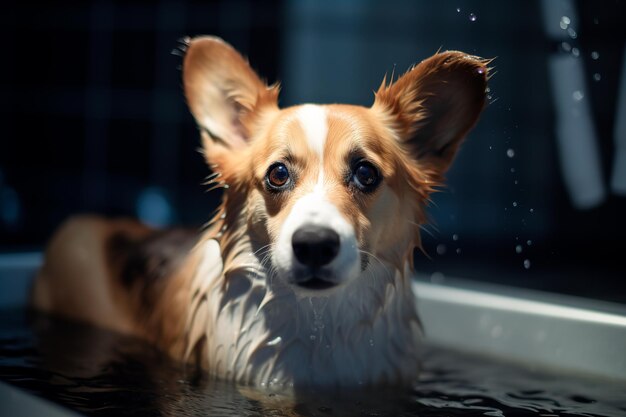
[303, 275]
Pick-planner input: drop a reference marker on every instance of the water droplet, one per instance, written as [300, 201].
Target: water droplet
[526, 263]
[532, 210]
[565, 20]
[490, 147]
[512, 169]
[529, 242]
[437, 277]
[515, 182]
[441, 249]
[515, 204]
[153, 207]
[566, 46]
[595, 55]
[596, 21]
[518, 249]
[496, 331]
[312, 337]
[455, 237]
[597, 76]
[472, 17]
[275, 341]
[578, 95]
[371, 342]
[458, 10]
[510, 153]
[572, 33]
[458, 251]
[575, 52]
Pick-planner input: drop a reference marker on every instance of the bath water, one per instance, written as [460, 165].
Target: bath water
[97, 372]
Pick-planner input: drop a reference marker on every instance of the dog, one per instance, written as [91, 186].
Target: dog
[303, 276]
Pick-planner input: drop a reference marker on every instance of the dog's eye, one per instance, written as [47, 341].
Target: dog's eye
[365, 176]
[277, 176]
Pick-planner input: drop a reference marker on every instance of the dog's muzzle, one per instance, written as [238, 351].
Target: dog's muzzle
[315, 247]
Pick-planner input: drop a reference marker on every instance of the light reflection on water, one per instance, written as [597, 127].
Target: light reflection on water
[100, 373]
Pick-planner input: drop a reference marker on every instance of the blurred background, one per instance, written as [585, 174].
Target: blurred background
[93, 119]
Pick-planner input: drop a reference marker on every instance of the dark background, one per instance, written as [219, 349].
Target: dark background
[93, 119]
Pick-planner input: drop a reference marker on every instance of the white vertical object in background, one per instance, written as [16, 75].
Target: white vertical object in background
[576, 136]
[618, 180]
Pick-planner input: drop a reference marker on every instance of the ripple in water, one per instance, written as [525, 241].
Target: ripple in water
[96, 372]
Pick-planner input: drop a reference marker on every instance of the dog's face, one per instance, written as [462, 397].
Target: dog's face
[327, 191]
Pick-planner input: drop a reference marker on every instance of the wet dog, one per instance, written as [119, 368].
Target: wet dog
[303, 276]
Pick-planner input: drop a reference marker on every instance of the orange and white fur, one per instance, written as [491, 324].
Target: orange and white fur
[303, 276]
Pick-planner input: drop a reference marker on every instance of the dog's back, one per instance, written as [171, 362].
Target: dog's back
[121, 275]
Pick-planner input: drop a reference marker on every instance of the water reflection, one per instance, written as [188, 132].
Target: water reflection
[101, 373]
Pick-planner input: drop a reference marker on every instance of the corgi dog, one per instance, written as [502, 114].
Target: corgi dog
[303, 276]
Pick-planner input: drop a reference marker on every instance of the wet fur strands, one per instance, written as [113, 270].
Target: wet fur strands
[303, 276]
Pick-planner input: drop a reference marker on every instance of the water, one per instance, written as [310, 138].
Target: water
[98, 373]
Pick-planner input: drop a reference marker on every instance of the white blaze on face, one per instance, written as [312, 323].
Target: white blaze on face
[315, 208]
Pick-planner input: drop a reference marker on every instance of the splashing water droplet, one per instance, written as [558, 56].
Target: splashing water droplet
[510, 153]
[496, 331]
[578, 95]
[437, 277]
[565, 20]
[526, 263]
[472, 17]
[575, 52]
[595, 55]
[441, 249]
[518, 249]
[572, 33]
[455, 237]
[597, 76]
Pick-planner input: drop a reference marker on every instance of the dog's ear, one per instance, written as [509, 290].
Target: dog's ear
[434, 105]
[223, 94]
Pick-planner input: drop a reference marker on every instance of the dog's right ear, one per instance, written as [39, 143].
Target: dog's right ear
[224, 94]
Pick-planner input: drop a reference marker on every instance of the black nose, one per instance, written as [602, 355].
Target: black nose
[315, 246]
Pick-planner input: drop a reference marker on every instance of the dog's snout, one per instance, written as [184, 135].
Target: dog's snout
[315, 246]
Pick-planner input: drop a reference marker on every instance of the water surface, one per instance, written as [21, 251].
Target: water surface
[96, 372]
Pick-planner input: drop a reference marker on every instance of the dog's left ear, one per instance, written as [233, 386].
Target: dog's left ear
[434, 105]
[223, 94]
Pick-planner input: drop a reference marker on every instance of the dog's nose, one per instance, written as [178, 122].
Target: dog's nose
[315, 246]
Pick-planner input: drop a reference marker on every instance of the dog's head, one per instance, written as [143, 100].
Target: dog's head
[330, 189]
